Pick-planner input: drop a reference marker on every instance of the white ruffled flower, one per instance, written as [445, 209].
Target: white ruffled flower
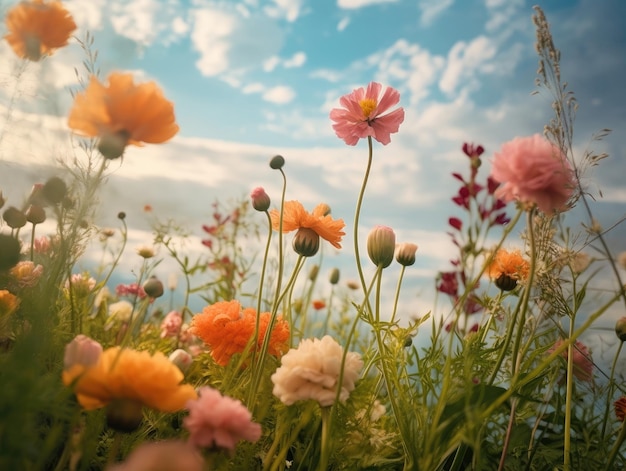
[121, 310]
[312, 371]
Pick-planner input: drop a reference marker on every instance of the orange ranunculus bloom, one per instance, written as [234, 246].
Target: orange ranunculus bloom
[36, 28]
[296, 217]
[511, 264]
[123, 113]
[8, 303]
[227, 328]
[150, 380]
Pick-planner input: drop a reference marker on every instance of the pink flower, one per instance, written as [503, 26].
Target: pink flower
[81, 351]
[583, 365]
[170, 327]
[362, 114]
[173, 455]
[534, 171]
[219, 421]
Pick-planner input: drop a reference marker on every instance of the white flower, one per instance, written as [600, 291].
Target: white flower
[312, 371]
[621, 260]
[121, 310]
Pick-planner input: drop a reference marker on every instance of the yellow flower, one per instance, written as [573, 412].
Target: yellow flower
[36, 28]
[296, 217]
[123, 374]
[123, 113]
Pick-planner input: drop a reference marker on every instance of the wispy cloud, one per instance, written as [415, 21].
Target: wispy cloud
[431, 9]
[354, 4]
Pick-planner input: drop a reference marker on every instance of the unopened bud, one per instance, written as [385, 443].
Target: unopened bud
[381, 245]
[277, 162]
[405, 254]
[81, 351]
[182, 359]
[620, 329]
[315, 269]
[14, 217]
[54, 190]
[334, 276]
[260, 199]
[153, 287]
[35, 214]
[306, 242]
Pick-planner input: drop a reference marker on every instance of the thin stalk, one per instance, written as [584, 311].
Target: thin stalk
[326, 424]
[610, 391]
[357, 213]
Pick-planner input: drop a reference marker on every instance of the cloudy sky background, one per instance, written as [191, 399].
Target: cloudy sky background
[253, 78]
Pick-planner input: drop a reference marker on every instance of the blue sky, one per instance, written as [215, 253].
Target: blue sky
[255, 78]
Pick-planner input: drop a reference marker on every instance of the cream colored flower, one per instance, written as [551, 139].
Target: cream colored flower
[621, 260]
[121, 310]
[312, 371]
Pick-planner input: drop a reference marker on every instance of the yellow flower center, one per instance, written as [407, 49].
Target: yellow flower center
[368, 105]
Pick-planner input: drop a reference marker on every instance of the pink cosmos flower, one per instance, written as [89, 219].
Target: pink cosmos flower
[219, 421]
[362, 114]
[534, 171]
[172, 455]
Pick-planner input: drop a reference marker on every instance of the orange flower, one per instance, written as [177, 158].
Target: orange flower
[507, 268]
[296, 217]
[8, 303]
[123, 113]
[319, 304]
[226, 328]
[36, 29]
[123, 374]
[620, 408]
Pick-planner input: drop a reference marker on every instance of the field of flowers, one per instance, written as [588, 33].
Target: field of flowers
[128, 377]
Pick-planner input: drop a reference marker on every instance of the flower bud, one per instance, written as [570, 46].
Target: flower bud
[621, 260]
[315, 269]
[277, 162]
[35, 214]
[145, 251]
[306, 242]
[153, 287]
[14, 217]
[182, 359]
[54, 190]
[334, 276]
[121, 215]
[172, 281]
[620, 329]
[506, 282]
[381, 245]
[9, 252]
[2, 199]
[405, 254]
[81, 351]
[260, 199]
[112, 146]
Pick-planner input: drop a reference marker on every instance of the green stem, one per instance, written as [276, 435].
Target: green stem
[326, 424]
[397, 296]
[616, 447]
[610, 391]
[357, 213]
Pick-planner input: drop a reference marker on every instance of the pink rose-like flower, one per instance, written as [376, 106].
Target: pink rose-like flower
[219, 421]
[312, 371]
[81, 351]
[362, 114]
[173, 455]
[171, 325]
[583, 365]
[532, 170]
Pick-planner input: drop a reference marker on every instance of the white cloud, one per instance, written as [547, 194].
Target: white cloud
[501, 13]
[297, 60]
[343, 24]
[288, 9]
[354, 4]
[145, 21]
[431, 9]
[180, 26]
[279, 95]
[271, 63]
[211, 38]
[87, 15]
[327, 74]
[464, 60]
[253, 88]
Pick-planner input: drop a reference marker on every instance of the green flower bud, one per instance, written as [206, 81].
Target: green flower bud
[381, 245]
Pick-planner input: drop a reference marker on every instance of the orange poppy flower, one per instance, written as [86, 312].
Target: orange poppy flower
[123, 113]
[123, 374]
[508, 264]
[318, 304]
[36, 29]
[226, 328]
[296, 217]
